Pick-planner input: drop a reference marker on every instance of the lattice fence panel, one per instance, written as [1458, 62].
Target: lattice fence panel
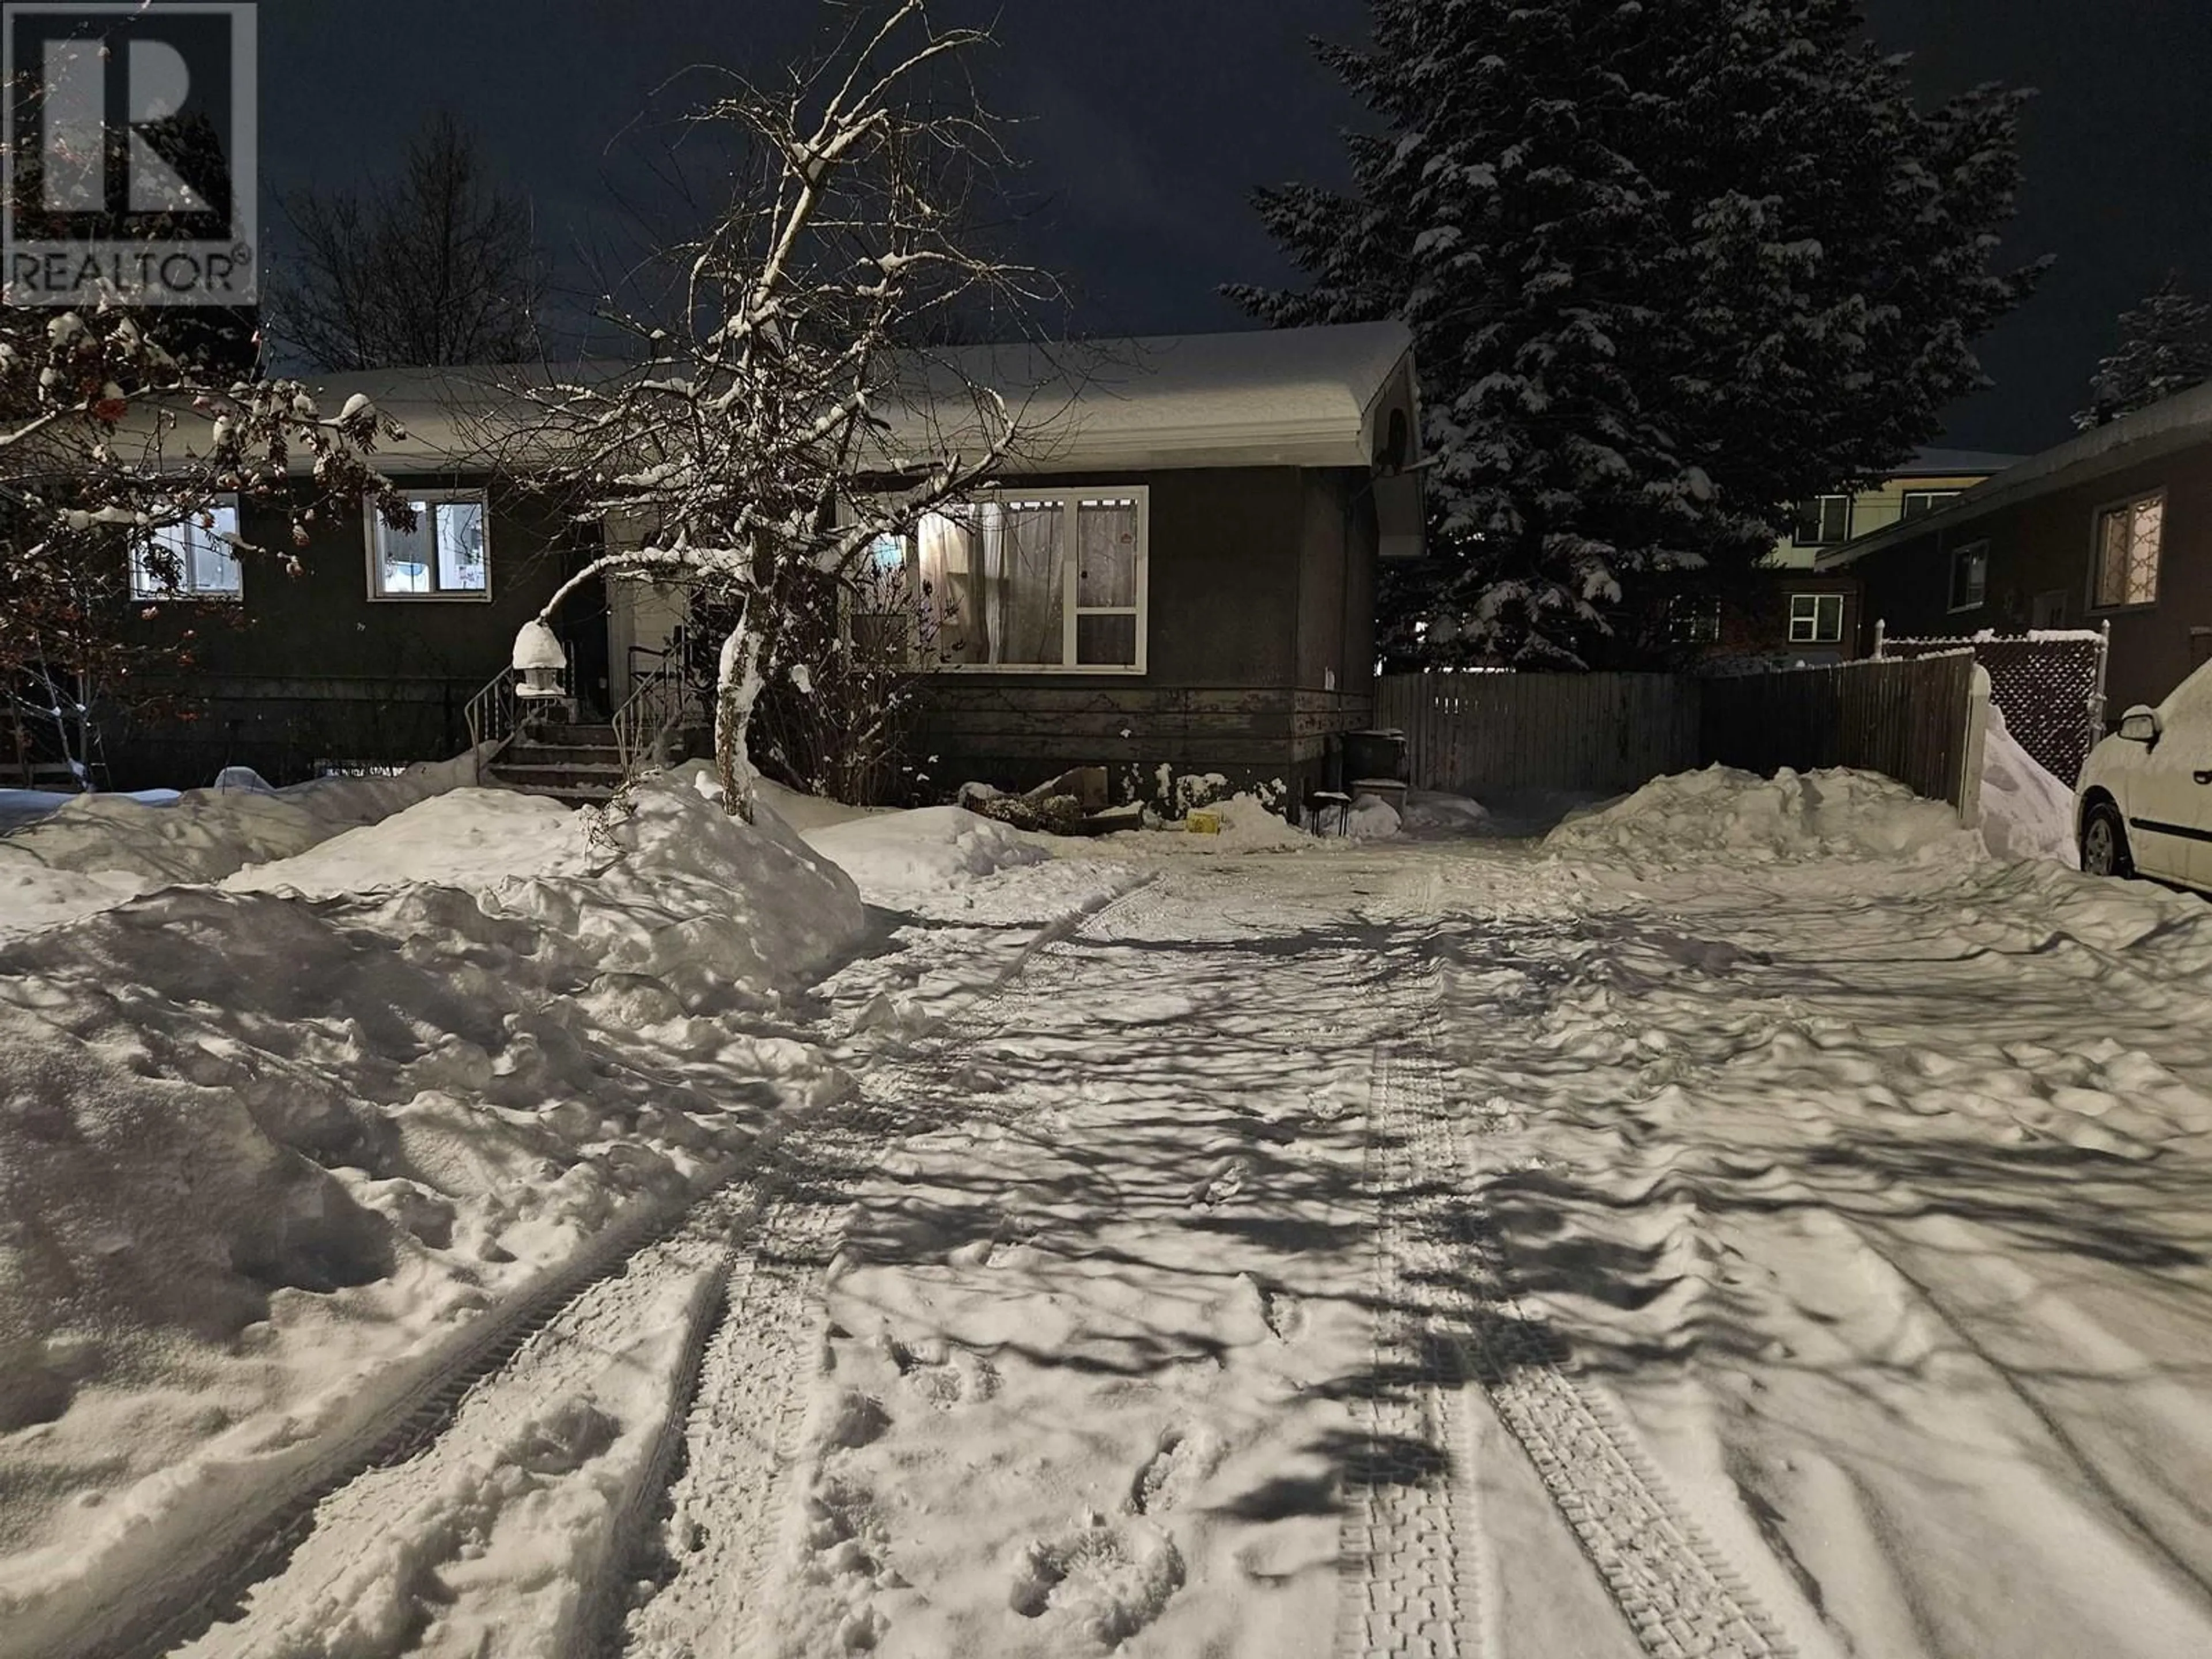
[2049, 686]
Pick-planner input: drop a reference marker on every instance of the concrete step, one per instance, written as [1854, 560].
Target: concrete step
[596, 782]
[595, 737]
[559, 754]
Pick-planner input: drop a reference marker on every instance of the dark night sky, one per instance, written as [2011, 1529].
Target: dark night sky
[1149, 121]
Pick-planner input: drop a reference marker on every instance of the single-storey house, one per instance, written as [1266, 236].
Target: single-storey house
[2114, 525]
[1243, 485]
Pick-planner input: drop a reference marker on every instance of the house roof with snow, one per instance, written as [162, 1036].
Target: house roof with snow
[1953, 463]
[1303, 396]
[2180, 422]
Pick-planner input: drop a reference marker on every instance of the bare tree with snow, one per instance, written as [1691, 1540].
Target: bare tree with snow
[108, 440]
[783, 425]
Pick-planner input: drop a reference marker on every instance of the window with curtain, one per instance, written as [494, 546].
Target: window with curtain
[445, 556]
[2128, 541]
[193, 560]
[1050, 581]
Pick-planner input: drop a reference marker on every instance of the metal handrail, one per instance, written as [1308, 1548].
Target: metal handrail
[653, 708]
[491, 717]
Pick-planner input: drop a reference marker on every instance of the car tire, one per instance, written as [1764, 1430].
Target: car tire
[2104, 843]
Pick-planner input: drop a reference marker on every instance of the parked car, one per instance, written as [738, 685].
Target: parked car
[2144, 806]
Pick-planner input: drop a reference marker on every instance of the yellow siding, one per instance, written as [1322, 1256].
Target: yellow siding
[1871, 510]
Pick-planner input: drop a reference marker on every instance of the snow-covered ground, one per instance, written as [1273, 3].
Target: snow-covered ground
[1752, 1220]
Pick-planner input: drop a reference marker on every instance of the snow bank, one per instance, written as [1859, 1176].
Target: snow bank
[258, 1156]
[95, 851]
[1372, 819]
[467, 838]
[894, 855]
[1439, 816]
[2026, 813]
[1791, 816]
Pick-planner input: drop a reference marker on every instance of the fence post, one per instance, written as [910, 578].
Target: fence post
[2097, 696]
[1970, 762]
[1881, 636]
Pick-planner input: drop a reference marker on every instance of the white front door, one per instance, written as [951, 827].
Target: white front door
[645, 624]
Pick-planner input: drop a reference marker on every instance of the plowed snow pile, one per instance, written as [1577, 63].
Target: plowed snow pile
[95, 851]
[1790, 817]
[261, 1153]
[2026, 813]
[896, 855]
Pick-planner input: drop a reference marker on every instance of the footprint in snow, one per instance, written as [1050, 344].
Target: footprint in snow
[1106, 1580]
[1185, 1459]
[943, 1375]
[1223, 1183]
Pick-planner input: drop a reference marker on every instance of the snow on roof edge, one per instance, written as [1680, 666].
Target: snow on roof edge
[2170, 424]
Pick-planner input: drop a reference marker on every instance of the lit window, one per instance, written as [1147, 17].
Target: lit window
[1918, 503]
[193, 560]
[1051, 580]
[1823, 520]
[1970, 576]
[2128, 539]
[1816, 618]
[445, 557]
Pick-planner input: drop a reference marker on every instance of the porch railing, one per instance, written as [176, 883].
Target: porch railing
[491, 716]
[494, 715]
[653, 708]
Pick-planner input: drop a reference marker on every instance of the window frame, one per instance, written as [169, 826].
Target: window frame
[1980, 601]
[2098, 514]
[1068, 499]
[1937, 499]
[372, 526]
[1850, 507]
[1816, 637]
[148, 592]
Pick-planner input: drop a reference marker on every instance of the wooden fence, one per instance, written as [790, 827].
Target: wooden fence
[1914, 720]
[1476, 734]
[1471, 733]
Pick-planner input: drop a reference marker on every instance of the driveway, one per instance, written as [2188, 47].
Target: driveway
[1400, 1250]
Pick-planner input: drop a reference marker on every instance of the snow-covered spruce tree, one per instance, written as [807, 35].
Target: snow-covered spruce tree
[1670, 265]
[2166, 347]
[780, 428]
[108, 437]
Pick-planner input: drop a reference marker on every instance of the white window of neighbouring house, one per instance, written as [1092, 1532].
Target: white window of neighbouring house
[193, 560]
[1970, 576]
[1918, 503]
[1823, 520]
[2129, 537]
[447, 556]
[1049, 581]
[1816, 618]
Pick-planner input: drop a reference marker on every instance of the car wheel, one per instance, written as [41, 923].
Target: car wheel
[2104, 843]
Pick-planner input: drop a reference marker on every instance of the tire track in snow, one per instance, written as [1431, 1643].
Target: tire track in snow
[1409, 1531]
[724, 1515]
[1678, 1592]
[190, 1586]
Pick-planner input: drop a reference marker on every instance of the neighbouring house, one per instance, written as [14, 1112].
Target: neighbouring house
[1801, 611]
[2114, 525]
[1180, 573]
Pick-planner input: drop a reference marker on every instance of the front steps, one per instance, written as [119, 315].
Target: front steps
[577, 765]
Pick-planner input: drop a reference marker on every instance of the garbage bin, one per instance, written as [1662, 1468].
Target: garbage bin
[1373, 755]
